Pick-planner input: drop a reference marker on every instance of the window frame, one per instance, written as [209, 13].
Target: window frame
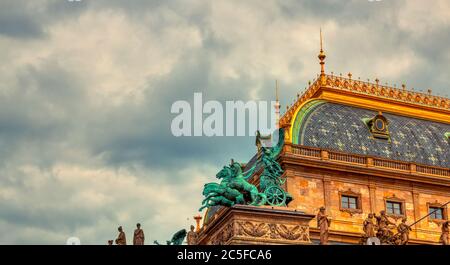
[352, 194]
[398, 201]
[444, 212]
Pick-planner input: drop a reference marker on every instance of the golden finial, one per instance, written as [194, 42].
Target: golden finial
[377, 80]
[321, 46]
[349, 75]
[322, 57]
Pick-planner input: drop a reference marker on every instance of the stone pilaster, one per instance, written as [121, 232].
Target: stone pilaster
[373, 200]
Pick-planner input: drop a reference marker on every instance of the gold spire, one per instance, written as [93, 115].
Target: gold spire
[322, 57]
[321, 46]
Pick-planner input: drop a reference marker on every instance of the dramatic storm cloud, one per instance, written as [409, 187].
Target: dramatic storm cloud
[86, 90]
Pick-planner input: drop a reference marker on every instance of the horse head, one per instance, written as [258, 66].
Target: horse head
[236, 168]
[224, 173]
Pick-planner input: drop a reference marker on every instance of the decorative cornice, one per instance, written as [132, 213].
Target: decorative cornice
[437, 108]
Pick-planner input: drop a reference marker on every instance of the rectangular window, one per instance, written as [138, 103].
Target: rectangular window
[436, 213]
[394, 208]
[349, 202]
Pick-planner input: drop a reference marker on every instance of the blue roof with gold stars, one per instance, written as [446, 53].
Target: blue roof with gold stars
[339, 127]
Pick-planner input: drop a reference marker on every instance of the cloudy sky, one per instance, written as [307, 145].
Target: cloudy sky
[86, 90]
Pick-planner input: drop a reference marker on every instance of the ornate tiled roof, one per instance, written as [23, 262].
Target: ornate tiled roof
[340, 127]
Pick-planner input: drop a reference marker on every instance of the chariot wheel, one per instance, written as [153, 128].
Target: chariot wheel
[275, 196]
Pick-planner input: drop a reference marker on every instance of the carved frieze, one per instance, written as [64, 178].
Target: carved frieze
[243, 224]
[263, 231]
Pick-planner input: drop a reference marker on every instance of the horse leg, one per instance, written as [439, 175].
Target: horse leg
[203, 207]
[240, 199]
[254, 198]
[257, 197]
[211, 195]
[208, 203]
[227, 202]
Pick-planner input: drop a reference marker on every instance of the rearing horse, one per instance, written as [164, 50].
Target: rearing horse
[239, 183]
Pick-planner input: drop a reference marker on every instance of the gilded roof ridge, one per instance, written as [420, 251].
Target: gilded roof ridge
[366, 88]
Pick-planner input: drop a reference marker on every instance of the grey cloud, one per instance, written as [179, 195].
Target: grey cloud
[28, 20]
[39, 113]
[19, 27]
[142, 133]
[49, 116]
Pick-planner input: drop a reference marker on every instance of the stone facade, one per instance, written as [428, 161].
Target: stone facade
[322, 183]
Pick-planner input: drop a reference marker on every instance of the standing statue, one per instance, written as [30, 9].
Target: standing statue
[121, 239]
[139, 237]
[384, 233]
[445, 240]
[403, 229]
[192, 236]
[323, 223]
[369, 230]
